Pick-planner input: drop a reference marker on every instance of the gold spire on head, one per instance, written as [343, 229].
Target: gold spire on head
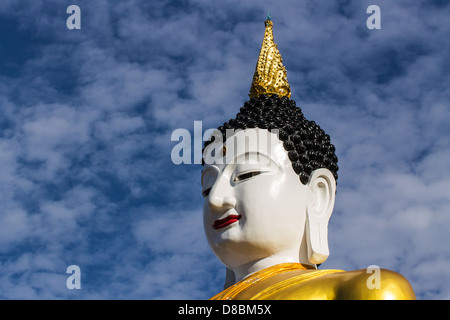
[270, 75]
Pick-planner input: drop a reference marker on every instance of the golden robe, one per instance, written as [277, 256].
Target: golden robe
[294, 281]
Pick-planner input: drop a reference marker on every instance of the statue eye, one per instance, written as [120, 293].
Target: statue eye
[205, 192]
[247, 175]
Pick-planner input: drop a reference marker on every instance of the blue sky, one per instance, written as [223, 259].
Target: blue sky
[86, 118]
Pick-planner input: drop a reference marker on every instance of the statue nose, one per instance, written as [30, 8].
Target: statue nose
[221, 204]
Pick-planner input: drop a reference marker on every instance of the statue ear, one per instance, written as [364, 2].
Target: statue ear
[320, 206]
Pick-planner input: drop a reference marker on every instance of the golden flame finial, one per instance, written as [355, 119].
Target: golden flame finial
[270, 75]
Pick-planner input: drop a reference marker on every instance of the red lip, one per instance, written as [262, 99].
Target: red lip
[222, 223]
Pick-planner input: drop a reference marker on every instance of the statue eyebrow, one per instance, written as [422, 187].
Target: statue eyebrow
[205, 171]
[261, 159]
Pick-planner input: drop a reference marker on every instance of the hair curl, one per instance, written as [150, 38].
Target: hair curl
[307, 145]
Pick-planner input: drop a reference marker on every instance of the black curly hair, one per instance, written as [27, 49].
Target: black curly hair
[308, 146]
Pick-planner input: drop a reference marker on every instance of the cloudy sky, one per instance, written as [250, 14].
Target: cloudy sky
[86, 176]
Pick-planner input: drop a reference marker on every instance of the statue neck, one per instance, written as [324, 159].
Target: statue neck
[249, 268]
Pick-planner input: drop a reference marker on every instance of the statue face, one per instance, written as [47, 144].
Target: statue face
[255, 204]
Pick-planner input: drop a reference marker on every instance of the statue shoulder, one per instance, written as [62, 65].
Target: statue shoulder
[374, 284]
[332, 284]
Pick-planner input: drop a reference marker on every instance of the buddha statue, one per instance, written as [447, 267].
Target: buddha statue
[269, 187]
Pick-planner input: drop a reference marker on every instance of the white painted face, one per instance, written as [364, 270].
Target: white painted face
[255, 206]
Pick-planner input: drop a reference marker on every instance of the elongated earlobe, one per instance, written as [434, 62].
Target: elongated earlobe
[323, 189]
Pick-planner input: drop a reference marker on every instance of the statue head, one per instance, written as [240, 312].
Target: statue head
[270, 188]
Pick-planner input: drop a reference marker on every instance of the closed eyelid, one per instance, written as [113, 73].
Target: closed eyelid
[244, 172]
[247, 175]
[206, 192]
[257, 166]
